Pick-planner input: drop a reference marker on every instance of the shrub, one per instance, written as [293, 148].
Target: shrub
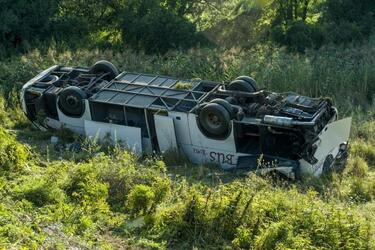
[365, 132]
[357, 166]
[13, 155]
[365, 150]
[270, 219]
[40, 193]
[123, 173]
[359, 191]
[298, 36]
[274, 236]
[4, 116]
[84, 184]
[162, 188]
[15, 231]
[302, 223]
[140, 199]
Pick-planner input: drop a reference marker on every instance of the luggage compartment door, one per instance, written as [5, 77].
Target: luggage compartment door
[129, 137]
[165, 133]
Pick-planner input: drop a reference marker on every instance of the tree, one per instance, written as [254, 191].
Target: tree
[291, 25]
[348, 20]
[93, 14]
[23, 21]
[156, 27]
[289, 11]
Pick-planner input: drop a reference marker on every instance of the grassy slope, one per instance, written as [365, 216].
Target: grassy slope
[105, 197]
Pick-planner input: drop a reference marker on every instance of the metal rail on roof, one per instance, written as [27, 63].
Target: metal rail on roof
[149, 92]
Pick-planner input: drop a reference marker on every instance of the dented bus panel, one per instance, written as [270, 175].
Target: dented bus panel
[234, 125]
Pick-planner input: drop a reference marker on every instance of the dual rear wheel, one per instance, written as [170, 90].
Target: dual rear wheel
[214, 119]
[244, 84]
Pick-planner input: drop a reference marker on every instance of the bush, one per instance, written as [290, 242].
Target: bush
[360, 191]
[298, 36]
[84, 184]
[41, 193]
[266, 219]
[140, 199]
[13, 155]
[363, 149]
[356, 166]
[15, 231]
[4, 116]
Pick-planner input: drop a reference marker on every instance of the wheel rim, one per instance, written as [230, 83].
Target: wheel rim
[72, 101]
[214, 121]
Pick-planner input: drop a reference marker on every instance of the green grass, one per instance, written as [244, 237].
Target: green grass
[104, 197]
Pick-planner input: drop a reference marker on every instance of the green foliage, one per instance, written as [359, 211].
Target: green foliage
[105, 197]
[298, 36]
[140, 199]
[364, 149]
[333, 72]
[360, 191]
[83, 184]
[291, 23]
[24, 21]
[349, 20]
[159, 26]
[13, 155]
[263, 219]
[357, 166]
[42, 192]
[291, 11]
[310, 24]
[15, 231]
[147, 25]
[155, 28]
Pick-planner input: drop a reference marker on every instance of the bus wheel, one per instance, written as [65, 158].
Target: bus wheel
[243, 83]
[104, 67]
[71, 101]
[214, 120]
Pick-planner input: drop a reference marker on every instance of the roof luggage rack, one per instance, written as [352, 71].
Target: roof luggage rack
[153, 92]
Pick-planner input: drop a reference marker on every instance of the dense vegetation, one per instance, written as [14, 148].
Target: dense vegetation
[158, 26]
[104, 197]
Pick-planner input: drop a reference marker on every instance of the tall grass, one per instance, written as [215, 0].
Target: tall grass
[345, 74]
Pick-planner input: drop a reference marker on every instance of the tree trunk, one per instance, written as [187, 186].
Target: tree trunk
[305, 9]
[295, 8]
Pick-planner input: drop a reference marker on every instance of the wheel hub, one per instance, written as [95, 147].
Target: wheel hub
[72, 100]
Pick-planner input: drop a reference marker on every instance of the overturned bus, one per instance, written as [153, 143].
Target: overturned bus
[234, 125]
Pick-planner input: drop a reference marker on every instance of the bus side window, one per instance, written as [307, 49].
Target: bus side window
[108, 113]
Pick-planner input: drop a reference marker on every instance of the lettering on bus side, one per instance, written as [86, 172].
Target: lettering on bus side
[221, 158]
[216, 157]
[199, 151]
